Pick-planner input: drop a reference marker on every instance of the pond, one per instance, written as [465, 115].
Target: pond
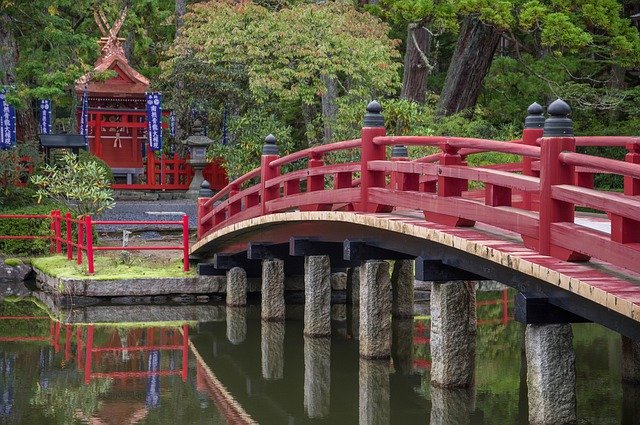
[234, 368]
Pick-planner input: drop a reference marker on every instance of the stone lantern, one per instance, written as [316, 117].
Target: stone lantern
[197, 144]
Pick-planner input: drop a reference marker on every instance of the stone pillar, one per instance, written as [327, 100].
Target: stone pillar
[353, 321]
[402, 345]
[273, 290]
[237, 287]
[317, 376]
[236, 324]
[630, 361]
[402, 280]
[272, 348]
[551, 377]
[451, 406]
[339, 312]
[353, 285]
[453, 333]
[374, 395]
[317, 296]
[375, 310]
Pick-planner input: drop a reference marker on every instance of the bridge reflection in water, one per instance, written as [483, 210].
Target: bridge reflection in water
[244, 370]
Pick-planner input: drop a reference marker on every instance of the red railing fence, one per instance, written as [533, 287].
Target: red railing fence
[537, 199]
[84, 226]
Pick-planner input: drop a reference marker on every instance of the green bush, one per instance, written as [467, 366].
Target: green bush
[27, 226]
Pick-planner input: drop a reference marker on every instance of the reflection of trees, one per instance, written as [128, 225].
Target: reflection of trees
[67, 398]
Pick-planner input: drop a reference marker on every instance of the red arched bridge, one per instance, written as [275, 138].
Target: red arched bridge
[515, 223]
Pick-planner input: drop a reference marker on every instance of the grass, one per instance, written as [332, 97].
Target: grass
[12, 262]
[111, 268]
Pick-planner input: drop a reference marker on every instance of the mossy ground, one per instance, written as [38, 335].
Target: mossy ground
[112, 267]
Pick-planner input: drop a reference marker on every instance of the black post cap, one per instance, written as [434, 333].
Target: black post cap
[535, 117]
[373, 117]
[205, 190]
[399, 151]
[270, 147]
[558, 124]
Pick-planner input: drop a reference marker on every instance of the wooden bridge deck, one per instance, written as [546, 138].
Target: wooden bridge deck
[612, 287]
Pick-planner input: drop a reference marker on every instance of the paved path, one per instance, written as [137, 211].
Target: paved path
[149, 210]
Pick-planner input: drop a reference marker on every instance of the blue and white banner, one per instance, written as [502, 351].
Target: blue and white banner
[7, 123]
[45, 116]
[84, 115]
[172, 124]
[154, 120]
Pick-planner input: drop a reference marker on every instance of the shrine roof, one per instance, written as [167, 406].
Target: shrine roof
[127, 83]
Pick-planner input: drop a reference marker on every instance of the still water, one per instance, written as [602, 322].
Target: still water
[235, 368]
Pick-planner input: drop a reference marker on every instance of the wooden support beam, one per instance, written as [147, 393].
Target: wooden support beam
[535, 309]
[360, 250]
[435, 271]
[227, 261]
[208, 269]
[293, 266]
[304, 246]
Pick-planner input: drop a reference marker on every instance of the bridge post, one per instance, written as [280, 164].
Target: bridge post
[631, 185]
[402, 279]
[533, 128]
[557, 137]
[272, 290]
[267, 172]
[317, 296]
[203, 196]
[317, 376]
[236, 287]
[375, 310]
[453, 333]
[551, 377]
[373, 127]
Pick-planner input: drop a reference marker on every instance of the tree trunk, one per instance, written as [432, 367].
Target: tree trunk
[8, 52]
[181, 9]
[416, 63]
[329, 107]
[470, 63]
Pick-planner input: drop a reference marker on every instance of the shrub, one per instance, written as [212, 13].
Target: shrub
[82, 185]
[27, 226]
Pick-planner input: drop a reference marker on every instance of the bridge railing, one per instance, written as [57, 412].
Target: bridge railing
[535, 199]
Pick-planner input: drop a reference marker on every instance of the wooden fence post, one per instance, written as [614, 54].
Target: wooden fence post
[89, 237]
[185, 242]
[557, 137]
[69, 241]
[373, 127]
[80, 239]
[267, 172]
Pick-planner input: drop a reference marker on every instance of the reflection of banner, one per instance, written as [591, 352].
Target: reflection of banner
[172, 124]
[154, 120]
[45, 116]
[153, 381]
[84, 115]
[7, 123]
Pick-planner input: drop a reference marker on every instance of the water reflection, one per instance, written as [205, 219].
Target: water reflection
[272, 349]
[271, 373]
[317, 376]
[374, 396]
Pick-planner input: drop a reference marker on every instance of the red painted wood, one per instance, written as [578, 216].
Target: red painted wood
[602, 164]
[631, 185]
[605, 140]
[615, 203]
[327, 198]
[267, 172]
[371, 151]
[318, 150]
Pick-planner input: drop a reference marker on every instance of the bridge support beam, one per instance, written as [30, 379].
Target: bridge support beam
[317, 376]
[317, 296]
[273, 290]
[236, 324]
[551, 378]
[402, 280]
[272, 350]
[375, 310]
[453, 333]
[236, 287]
[630, 361]
[375, 392]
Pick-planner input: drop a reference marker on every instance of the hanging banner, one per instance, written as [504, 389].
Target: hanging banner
[154, 120]
[84, 116]
[7, 123]
[172, 124]
[45, 116]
